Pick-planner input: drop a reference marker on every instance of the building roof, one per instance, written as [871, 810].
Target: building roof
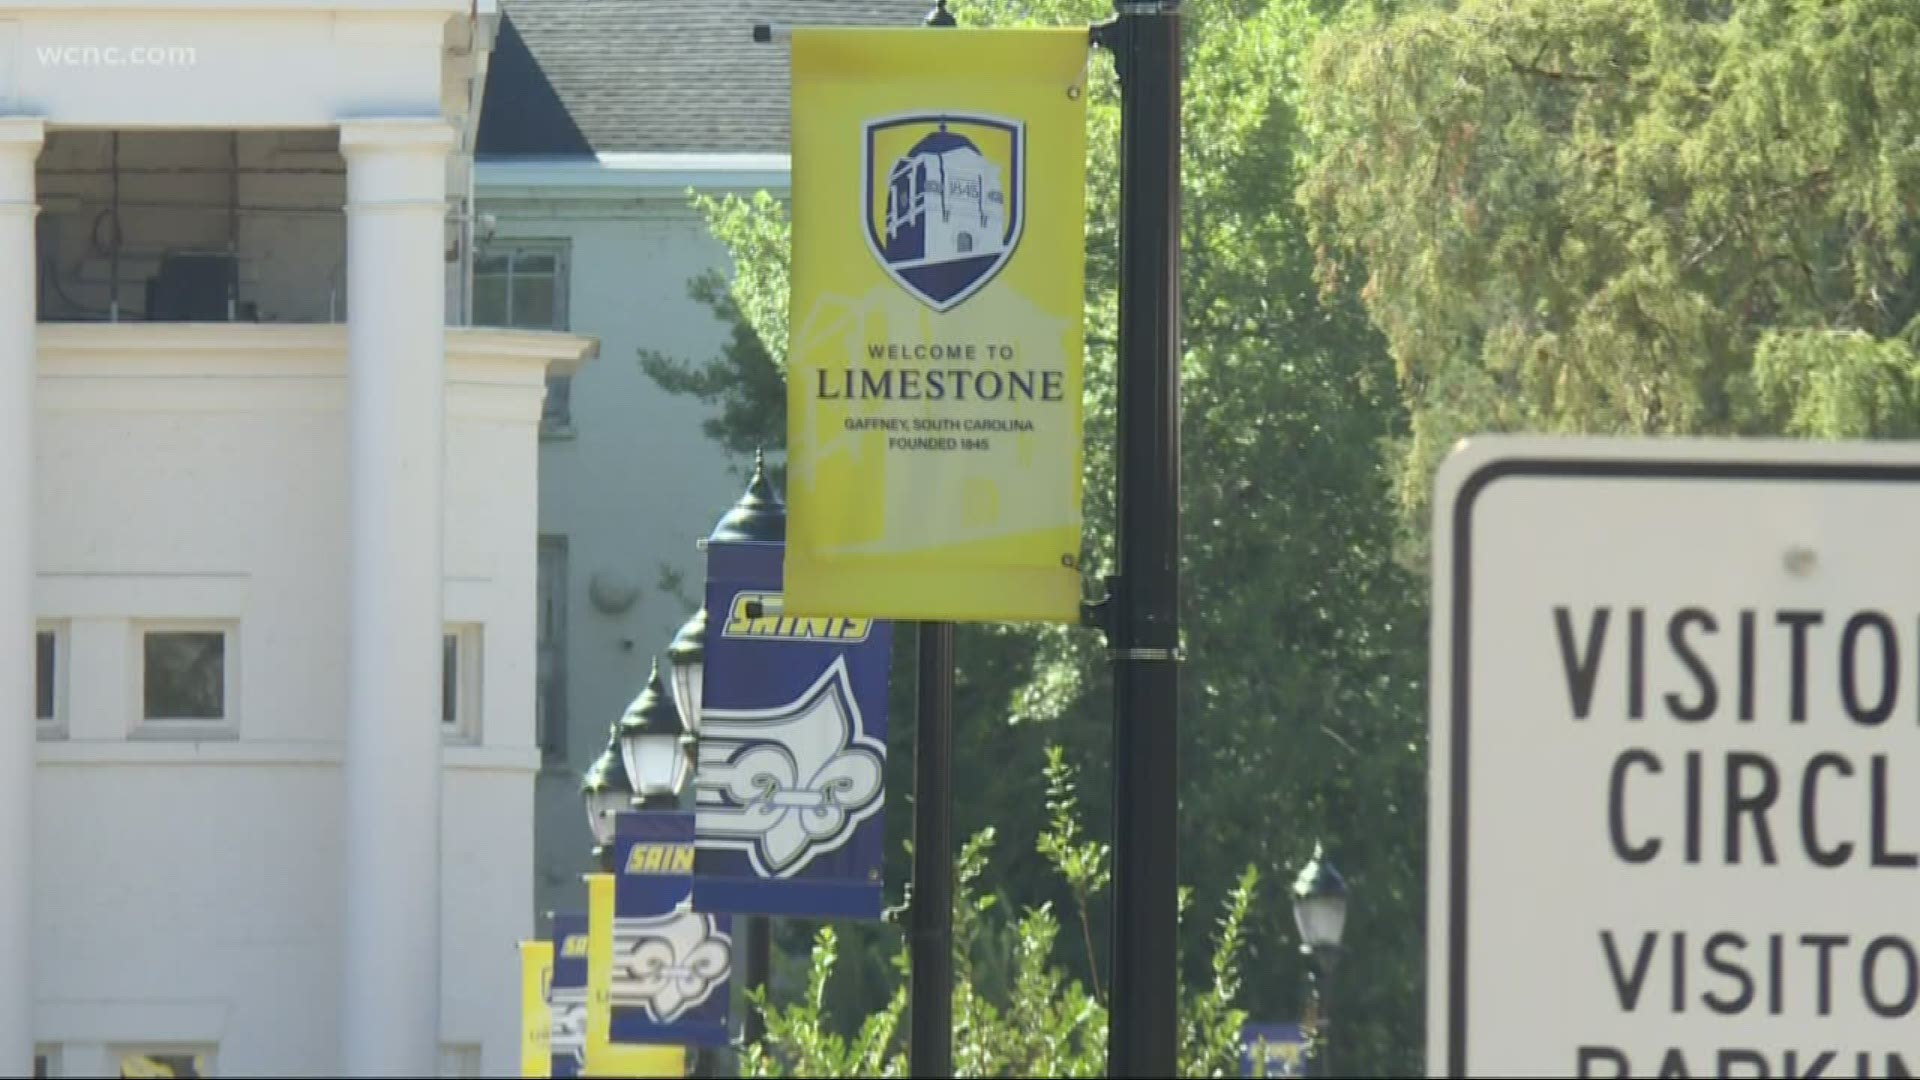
[592, 77]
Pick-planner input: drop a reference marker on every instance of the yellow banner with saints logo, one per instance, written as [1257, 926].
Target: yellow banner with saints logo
[936, 323]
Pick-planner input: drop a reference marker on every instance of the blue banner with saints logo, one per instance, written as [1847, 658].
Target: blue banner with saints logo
[672, 965]
[793, 750]
[569, 998]
[1276, 1050]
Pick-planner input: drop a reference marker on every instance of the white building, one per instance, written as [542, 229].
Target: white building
[600, 118]
[274, 524]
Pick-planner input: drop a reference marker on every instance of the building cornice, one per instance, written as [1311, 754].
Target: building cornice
[632, 175]
[226, 344]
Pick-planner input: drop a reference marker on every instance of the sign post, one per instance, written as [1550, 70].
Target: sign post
[1675, 827]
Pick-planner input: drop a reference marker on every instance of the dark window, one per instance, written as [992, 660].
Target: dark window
[43, 674]
[550, 694]
[524, 286]
[449, 679]
[186, 675]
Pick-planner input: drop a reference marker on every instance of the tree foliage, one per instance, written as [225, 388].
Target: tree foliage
[1628, 216]
[1032, 1020]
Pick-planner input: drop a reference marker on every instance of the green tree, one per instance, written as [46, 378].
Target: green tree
[1627, 216]
[1032, 1020]
[1300, 708]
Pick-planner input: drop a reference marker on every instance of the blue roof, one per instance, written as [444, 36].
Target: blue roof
[941, 142]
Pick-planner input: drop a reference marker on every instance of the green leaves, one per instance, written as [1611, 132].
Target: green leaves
[1022, 1015]
[799, 1042]
[1625, 216]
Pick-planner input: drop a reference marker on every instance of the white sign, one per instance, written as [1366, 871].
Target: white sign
[1675, 810]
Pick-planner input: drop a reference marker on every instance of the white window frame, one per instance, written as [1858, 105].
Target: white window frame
[228, 725]
[469, 658]
[208, 1055]
[52, 728]
[561, 248]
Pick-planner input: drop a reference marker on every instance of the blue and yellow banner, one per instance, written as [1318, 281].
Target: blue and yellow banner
[568, 999]
[793, 750]
[936, 324]
[536, 1013]
[671, 977]
[1274, 1050]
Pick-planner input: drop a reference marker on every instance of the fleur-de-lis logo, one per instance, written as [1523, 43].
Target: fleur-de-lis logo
[668, 964]
[788, 784]
[570, 1022]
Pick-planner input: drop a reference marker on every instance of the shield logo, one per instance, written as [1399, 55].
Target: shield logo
[943, 201]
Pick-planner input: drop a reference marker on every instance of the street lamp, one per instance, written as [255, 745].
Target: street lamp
[1320, 911]
[687, 657]
[758, 517]
[606, 789]
[657, 749]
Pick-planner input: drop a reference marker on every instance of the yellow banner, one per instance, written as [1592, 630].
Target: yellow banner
[536, 1014]
[604, 1056]
[936, 322]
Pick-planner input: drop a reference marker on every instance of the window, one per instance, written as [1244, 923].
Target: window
[186, 677]
[152, 1062]
[460, 683]
[46, 674]
[523, 284]
[50, 680]
[43, 1062]
[550, 693]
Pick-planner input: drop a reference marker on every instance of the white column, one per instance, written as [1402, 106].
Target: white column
[396, 341]
[19, 148]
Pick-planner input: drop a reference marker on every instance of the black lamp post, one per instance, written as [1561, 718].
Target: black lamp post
[656, 747]
[606, 789]
[1320, 912]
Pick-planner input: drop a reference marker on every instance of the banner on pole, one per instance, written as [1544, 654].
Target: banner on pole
[536, 1015]
[1273, 1050]
[793, 750]
[671, 970]
[936, 324]
[568, 1000]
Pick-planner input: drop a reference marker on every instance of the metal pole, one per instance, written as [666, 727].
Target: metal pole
[1319, 1022]
[930, 1036]
[930, 1044]
[759, 970]
[1144, 626]
[1323, 998]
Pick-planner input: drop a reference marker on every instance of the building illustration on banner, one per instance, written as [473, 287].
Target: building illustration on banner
[789, 783]
[946, 215]
[673, 964]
